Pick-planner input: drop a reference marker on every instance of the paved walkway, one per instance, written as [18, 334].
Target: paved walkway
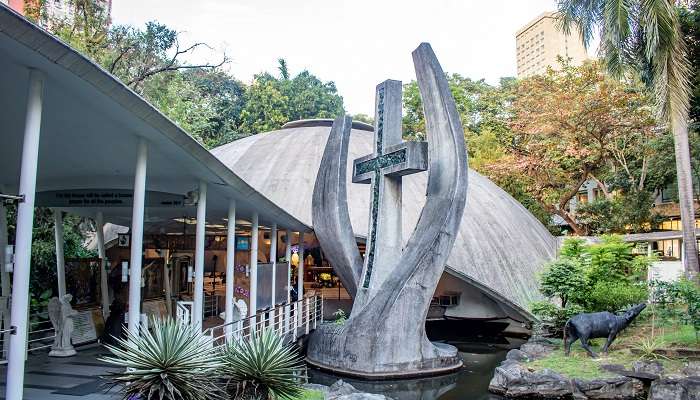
[71, 378]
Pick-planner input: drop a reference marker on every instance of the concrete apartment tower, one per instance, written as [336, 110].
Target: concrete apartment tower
[540, 41]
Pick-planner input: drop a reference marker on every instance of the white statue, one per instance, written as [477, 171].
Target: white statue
[61, 314]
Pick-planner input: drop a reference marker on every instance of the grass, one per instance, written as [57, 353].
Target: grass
[311, 395]
[683, 335]
[625, 351]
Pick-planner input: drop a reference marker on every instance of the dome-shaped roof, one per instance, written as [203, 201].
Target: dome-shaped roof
[500, 246]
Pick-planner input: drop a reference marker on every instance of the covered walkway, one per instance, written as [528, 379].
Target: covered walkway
[77, 140]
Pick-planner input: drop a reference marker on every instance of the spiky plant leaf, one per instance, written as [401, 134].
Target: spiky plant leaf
[173, 361]
[263, 367]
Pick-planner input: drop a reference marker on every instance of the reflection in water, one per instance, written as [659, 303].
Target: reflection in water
[470, 383]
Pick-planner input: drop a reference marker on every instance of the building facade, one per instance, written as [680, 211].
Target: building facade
[540, 42]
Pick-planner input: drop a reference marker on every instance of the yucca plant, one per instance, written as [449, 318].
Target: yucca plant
[262, 367]
[173, 361]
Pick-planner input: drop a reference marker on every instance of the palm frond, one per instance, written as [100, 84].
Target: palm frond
[173, 361]
[263, 366]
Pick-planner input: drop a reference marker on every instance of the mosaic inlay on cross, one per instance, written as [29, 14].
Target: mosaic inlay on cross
[392, 159]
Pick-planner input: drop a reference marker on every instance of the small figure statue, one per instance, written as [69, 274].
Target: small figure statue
[61, 314]
[597, 325]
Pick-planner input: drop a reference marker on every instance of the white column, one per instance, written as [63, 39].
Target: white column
[104, 288]
[300, 268]
[230, 266]
[288, 257]
[254, 266]
[23, 238]
[60, 255]
[197, 308]
[137, 237]
[273, 259]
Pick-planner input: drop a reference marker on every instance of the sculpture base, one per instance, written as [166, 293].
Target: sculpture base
[322, 353]
[62, 352]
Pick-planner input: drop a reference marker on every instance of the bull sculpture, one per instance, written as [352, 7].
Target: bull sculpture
[597, 325]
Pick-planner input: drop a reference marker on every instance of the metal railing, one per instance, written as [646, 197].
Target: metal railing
[41, 332]
[291, 321]
[210, 307]
[183, 311]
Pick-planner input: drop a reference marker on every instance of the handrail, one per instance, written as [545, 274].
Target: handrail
[289, 318]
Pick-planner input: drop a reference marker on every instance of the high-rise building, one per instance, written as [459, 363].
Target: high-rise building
[540, 42]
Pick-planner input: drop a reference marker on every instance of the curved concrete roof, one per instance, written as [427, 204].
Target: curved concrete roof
[500, 246]
[91, 124]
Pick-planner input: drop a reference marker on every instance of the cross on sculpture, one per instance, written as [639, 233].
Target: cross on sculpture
[392, 159]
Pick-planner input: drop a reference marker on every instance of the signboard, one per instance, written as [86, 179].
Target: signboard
[105, 198]
[242, 243]
[84, 328]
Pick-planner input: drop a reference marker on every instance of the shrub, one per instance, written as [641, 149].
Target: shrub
[564, 279]
[554, 315]
[616, 296]
[174, 361]
[679, 300]
[262, 367]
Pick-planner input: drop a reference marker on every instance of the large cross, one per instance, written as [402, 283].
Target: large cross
[392, 159]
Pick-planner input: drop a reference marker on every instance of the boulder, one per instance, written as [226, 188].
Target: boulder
[648, 367]
[692, 369]
[517, 355]
[342, 390]
[513, 380]
[535, 350]
[614, 388]
[675, 388]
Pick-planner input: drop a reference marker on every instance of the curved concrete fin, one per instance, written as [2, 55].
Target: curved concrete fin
[330, 215]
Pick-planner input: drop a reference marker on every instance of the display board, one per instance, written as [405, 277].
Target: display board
[84, 329]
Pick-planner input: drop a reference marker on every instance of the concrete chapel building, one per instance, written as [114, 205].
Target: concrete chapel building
[491, 272]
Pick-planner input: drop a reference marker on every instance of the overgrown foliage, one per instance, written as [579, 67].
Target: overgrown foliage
[605, 276]
[262, 367]
[678, 301]
[172, 361]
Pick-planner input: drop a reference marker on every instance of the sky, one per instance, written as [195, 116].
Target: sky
[357, 44]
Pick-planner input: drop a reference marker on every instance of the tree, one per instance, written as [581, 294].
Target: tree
[271, 102]
[480, 105]
[646, 36]
[570, 126]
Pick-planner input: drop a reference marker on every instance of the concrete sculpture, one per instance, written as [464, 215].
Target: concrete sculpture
[61, 314]
[393, 286]
[597, 325]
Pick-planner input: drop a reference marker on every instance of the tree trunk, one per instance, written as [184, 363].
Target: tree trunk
[679, 127]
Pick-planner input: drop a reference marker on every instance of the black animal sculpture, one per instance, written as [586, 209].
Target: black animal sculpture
[597, 325]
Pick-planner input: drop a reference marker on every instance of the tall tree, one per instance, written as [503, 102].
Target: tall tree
[570, 126]
[270, 102]
[645, 35]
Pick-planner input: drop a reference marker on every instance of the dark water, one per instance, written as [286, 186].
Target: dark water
[481, 354]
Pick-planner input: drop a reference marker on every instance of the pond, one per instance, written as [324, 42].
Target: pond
[481, 352]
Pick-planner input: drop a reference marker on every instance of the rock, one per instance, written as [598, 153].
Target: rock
[649, 367]
[692, 369]
[342, 390]
[513, 380]
[517, 355]
[615, 388]
[361, 396]
[316, 387]
[674, 388]
[537, 349]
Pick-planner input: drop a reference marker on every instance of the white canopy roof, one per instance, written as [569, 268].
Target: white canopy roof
[91, 124]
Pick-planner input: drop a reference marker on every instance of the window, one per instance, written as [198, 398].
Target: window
[668, 250]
